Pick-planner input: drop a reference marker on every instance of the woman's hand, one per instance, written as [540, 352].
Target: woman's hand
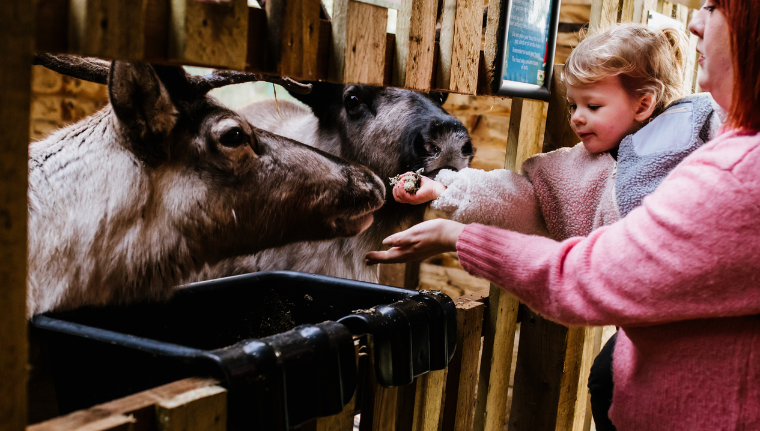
[419, 242]
[429, 190]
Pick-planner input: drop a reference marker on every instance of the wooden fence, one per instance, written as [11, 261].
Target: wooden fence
[296, 38]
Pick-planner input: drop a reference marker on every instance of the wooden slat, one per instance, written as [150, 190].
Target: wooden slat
[627, 10]
[144, 407]
[494, 22]
[325, 46]
[529, 135]
[538, 374]
[427, 404]
[390, 52]
[583, 345]
[415, 44]
[645, 8]
[202, 409]
[465, 54]
[691, 64]
[445, 44]
[591, 347]
[462, 377]
[378, 403]
[209, 34]
[16, 44]
[358, 43]
[257, 40]
[293, 37]
[603, 14]
[343, 421]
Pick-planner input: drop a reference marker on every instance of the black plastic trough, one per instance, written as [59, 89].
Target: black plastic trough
[281, 342]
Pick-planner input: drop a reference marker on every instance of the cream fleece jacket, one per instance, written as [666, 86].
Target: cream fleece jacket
[564, 193]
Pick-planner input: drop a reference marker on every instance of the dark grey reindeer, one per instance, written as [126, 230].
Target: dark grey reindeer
[389, 130]
[128, 202]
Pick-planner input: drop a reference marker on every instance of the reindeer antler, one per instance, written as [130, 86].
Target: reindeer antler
[96, 70]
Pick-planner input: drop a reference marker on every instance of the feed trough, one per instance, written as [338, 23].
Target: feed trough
[281, 342]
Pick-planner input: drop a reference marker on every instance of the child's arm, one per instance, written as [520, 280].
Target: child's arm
[498, 198]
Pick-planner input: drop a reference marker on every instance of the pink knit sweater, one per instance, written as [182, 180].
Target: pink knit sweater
[680, 275]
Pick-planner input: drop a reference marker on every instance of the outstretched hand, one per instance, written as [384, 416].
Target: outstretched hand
[419, 242]
[429, 190]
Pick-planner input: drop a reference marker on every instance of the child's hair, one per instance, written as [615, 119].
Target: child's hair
[647, 61]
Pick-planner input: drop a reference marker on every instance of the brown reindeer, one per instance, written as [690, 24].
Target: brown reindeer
[164, 180]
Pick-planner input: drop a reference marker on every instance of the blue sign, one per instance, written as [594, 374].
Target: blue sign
[527, 42]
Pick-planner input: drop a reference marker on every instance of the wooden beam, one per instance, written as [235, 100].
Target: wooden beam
[648, 5]
[494, 24]
[538, 374]
[293, 37]
[462, 379]
[603, 14]
[51, 25]
[192, 404]
[460, 46]
[379, 404]
[126, 29]
[627, 9]
[16, 46]
[209, 34]
[583, 344]
[358, 43]
[558, 132]
[415, 44]
[529, 133]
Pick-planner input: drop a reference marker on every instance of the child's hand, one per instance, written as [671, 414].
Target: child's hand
[419, 242]
[429, 190]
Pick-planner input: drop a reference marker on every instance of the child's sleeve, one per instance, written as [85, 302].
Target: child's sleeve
[500, 198]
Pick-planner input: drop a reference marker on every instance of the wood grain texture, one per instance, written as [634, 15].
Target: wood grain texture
[143, 407]
[626, 12]
[107, 28]
[202, 409]
[325, 46]
[648, 5]
[494, 24]
[465, 54]
[293, 37]
[445, 44]
[603, 14]
[415, 44]
[462, 379]
[582, 348]
[691, 64]
[538, 375]
[257, 40]
[528, 141]
[16, 45]
[378, 405]
[365, 43]
[513, 134]
[209, 34]
[427, 401]
[591, 347]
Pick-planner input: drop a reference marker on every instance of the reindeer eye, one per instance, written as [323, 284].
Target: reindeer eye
[234, 138]
[352, 102]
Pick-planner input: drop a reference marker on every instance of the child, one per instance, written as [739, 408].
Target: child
[614, 91]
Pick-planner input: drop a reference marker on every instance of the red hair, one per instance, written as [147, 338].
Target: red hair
[742, 17]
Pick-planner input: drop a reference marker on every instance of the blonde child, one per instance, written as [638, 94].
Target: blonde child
[618, 82]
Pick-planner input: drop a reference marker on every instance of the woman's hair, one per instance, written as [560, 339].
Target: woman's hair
[647, 61]
[743, 18]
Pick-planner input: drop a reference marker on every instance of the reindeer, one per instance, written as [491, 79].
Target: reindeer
[164, 180]
[389, 130]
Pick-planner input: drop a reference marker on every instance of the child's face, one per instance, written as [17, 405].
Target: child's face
[603, 113]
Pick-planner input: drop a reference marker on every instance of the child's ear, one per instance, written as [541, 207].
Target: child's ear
[645, 108]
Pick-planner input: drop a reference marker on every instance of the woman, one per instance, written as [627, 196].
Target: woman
[680, 275]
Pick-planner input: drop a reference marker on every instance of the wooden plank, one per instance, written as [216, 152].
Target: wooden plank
[583, 345]
[51, 24]
[358, 43]
[427, 401]
[538, 374]
[465, 54]
[445, 45]
[378, 407]
[558, 132]
[627, 9]
[648, 5]
[603, 14]
[293, 37]
[390, 52]
[592, 346]
[141, 406]
[343, 421]
[529, 143]
[513, 134]
[462, 377]
[202, 409]
[415, 44]
[16, 44]
[323, 52]
[209, 34]
[494, 23]
[690, 64]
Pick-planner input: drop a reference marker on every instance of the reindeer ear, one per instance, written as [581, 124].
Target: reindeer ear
[141, 101]
[325, 99]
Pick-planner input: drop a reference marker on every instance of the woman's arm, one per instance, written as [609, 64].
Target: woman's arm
[691, 251]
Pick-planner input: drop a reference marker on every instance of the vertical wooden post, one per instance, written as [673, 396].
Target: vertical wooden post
[460, 46]
[16, 45]
[648, 5]
[462, 378]
[415, 44]
[378, 403]
[494, 23]
[209, 34]
[583, 344]
[603, 14]
[293, 37]
[343, 421]
[358, 43]
[627, 10]
[203, 409]
[427, 400]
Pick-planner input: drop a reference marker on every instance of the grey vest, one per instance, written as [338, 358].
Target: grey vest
[646, 157]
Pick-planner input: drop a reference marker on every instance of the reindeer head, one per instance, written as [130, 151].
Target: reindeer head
[390, 130]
